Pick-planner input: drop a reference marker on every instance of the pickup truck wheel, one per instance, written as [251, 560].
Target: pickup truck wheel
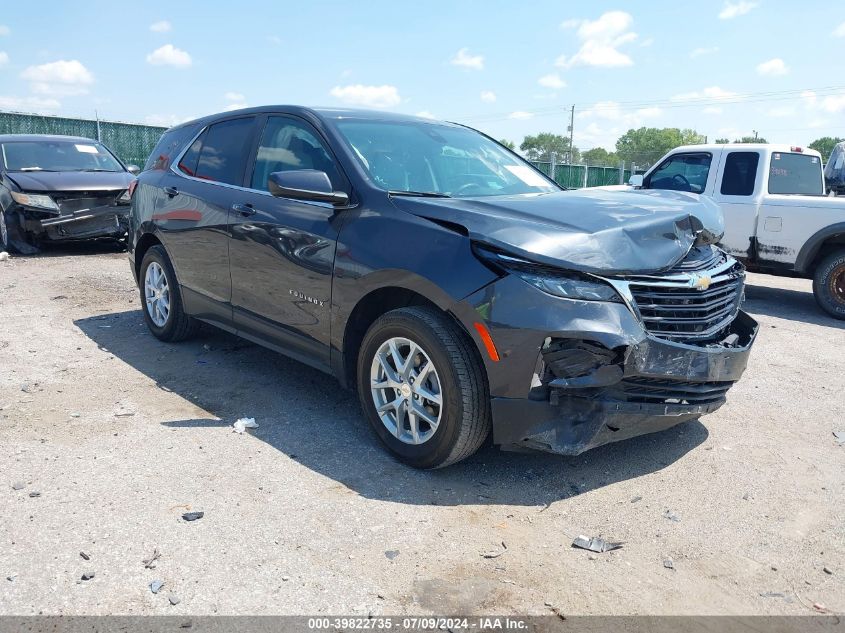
[161, 299]
[829, 284]
[422, 389]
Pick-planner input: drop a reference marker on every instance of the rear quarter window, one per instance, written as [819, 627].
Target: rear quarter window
[795, 174]
[168, 146]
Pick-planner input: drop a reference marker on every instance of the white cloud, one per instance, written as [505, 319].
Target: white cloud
[600, 42]
[839, 31]
[4, 30]
[162, 26]
[735, 9]
[169, 55]
[830, 104]
[236, 101]
[4, 58]
[425, 114]
[63, 77]
[552, 80]
[234, 96]
[29, 104]
[367, 96]
[613, 111]
[488, 96]
[465, 60]
[699, 52]
[714, 93]
[773, 68]
[519, 114]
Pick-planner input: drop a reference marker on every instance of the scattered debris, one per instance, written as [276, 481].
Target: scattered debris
[4, 256]
[555, 610]
[671, 516]
[391, 554]
[243, 424]
[669, 563]
[150, 563]
[11, 578]
[124, 413]
[193, 516]
[34, 494]
[285, 578]
[18, 485]
[156, 585]
[745, 497]
[58, 297]
[595, 544]
[496, 554]
[635, 499]
[174, 599]
[88, 575]
[827, 570]
[84, 556]
[818, 606]
[74, 415]
[840, 437]
[772, 594]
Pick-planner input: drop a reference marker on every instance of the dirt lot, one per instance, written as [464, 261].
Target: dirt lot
[121, 434]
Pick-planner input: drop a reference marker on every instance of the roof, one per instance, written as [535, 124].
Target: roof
[765, 147]
[11, 138]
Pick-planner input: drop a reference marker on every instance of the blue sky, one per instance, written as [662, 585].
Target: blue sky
[724, 68]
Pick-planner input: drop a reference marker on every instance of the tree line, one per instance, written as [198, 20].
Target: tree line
[641, 147]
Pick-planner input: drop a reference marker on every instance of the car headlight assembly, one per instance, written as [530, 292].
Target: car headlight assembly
[125, 197]
[37, 200]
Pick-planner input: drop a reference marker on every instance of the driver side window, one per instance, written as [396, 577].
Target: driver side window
[681, 172]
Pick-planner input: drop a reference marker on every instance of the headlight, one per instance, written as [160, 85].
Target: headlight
[35, 200]
[559, 283]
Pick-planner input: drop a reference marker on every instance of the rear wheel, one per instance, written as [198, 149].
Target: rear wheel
[422, 388]
[829, 284]
[161, 298]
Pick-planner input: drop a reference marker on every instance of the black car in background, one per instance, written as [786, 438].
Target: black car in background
[59, 188]
[460, 290]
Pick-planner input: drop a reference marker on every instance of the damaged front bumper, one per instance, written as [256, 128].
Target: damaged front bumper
[107, 220]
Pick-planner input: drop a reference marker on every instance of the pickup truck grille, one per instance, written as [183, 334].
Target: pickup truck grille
[673, 307]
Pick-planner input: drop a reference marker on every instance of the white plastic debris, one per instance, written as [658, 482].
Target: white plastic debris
[4, 256]
[243, 424]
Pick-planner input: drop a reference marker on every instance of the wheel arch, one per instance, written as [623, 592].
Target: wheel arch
[818, 246]
[144, 243]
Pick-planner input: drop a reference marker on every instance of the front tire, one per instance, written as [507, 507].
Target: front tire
[829, 284]
[161, 298]
[423, 388]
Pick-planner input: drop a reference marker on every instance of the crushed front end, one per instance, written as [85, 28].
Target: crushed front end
[641, 355]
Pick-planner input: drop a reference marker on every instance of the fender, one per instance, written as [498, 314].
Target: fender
[812, 246]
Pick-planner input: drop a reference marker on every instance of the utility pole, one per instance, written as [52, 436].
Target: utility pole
[571, 134]
[97, 116]
[755, 135]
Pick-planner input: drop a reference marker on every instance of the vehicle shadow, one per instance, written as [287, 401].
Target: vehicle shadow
[72, 249]
[309, 417]
[784, 303]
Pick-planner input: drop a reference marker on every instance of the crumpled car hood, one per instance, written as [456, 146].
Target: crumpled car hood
[35, 181]
[598, 231]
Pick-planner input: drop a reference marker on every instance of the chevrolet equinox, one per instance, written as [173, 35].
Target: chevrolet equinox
[460, 290]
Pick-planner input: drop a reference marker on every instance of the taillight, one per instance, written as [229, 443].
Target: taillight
[799, 150]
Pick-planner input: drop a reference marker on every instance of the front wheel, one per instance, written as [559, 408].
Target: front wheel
[422, 388]
[161, 298]
[829, 284]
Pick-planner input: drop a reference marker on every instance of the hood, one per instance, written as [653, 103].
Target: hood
[599, 231]
[35, 181]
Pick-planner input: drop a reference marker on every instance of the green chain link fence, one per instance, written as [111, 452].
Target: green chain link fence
[130, 141]
[578, 176]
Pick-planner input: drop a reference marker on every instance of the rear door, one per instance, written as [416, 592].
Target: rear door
[738, 192]
[282, 250]
[194, 214]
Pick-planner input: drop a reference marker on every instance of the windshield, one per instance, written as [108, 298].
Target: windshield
[439, 159]
[798, 174]
[58, 156]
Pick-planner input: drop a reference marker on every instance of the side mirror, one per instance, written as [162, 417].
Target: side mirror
[305, 184]
[133, 169]
[636, 181]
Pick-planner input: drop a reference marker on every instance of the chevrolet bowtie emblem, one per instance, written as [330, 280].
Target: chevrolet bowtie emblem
[701, 282]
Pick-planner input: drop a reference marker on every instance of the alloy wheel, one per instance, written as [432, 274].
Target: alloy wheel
[157, 294]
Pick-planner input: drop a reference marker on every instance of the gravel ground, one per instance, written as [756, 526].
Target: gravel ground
[112, 436]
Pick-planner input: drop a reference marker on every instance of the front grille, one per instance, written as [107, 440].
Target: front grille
[660, 391]
[673, 308]
[72, 203]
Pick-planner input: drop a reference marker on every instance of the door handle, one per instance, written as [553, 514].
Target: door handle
[171, 191]
[245, 210]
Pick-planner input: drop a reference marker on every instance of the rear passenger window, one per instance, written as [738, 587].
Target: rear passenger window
[740, 173]
[222, 152]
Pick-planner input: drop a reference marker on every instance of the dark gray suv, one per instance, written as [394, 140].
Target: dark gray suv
[461, 291]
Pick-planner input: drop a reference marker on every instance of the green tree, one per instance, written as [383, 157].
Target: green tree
[546, 145]
[600, 156]
[647, 145]
[509, 144]
[751, 139]
[723, 141]
[825, 145]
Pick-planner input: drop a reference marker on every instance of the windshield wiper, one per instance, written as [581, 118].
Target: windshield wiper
[421, 194]
[112, 171]
[34, 169]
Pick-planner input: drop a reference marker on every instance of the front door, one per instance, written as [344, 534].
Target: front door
[739, 196]
[282, 250]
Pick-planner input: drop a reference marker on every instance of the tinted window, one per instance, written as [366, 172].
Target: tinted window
[795, 174]
[168, 146]
[188, 164]
[287, 144]
[224, 150]
[681, 172]
[740, 173]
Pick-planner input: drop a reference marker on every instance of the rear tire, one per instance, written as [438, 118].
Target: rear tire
[829, 284]
[161, 298]
[443, 376]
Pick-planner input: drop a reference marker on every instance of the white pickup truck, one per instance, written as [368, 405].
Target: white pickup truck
[777, 217]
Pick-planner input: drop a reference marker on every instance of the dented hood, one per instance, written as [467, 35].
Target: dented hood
[600, 231]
